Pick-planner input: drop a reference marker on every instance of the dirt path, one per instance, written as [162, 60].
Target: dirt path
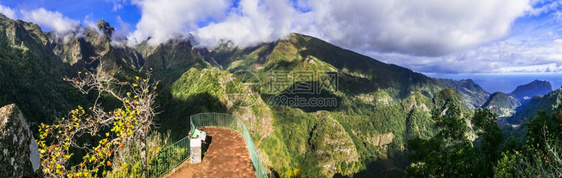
[227, 156]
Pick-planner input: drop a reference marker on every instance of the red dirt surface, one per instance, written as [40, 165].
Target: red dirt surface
[227, 156]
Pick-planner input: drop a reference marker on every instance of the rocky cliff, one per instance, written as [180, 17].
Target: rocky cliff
[19, 156]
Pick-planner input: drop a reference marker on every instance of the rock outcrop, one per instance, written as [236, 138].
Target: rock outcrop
[19, 155]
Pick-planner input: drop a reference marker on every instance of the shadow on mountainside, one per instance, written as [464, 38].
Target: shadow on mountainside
[176, 116]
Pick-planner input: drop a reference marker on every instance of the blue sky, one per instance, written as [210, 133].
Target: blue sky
[92, 10]
[433, 36]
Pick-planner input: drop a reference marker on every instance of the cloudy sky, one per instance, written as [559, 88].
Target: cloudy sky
[431, 36]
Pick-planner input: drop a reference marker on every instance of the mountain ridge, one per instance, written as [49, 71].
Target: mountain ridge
[379, 105]
[547, 102]
[502, 104]
[525, 92]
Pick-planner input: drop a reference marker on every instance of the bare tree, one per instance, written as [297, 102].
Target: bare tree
[128, 125]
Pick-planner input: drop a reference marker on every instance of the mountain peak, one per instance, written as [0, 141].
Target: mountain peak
[502, 104]
[2, 16]
[536, 81]
[527, 91]
[105, 27]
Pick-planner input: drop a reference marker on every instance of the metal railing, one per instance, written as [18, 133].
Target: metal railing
[230, 122]
[169, 158]
[175, 154]
[159, 164]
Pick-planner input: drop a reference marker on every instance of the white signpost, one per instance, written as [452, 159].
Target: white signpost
[198, 136]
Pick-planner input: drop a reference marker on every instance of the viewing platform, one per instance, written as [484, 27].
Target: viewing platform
[229, 151]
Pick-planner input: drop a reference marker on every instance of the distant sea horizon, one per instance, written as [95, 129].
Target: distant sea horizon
[504, 82]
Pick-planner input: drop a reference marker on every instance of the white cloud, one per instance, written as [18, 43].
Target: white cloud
[253, 22]
[92, 25]
[429, 28]
[163, 20]
[62, 25]
[542, 6]
[505, 56]
[8, 12]
[117, 4]
[120, 35]
[426, 36]
[124, 26]
[552, 67]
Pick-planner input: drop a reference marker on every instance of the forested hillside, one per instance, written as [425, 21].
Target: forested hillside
[368, 113]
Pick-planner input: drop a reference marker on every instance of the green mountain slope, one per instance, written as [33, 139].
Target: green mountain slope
[547, 102]
[473, 95]
[375, 107]
[364, 133]
[31, 75]
[502, 104]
